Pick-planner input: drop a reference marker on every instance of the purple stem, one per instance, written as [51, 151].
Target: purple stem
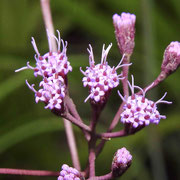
[46, 11]
[81, 125]
[96, 110]
[72, 144]
[28, 172]
[112, 134]
[72, 109]
[92, 157]
[111, 127]
[125, 70]
[161, 77]
[103, 141]
[105, 177]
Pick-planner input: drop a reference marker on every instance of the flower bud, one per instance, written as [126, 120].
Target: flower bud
[69, 173]
[171, 59]
[125, 32]
[121, 162]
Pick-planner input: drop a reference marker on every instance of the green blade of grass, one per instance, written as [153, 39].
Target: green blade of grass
[28, 130]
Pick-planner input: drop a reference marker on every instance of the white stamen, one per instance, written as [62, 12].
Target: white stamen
[91, 55]
[131, 86]
[149, 87]
[64, 46]
[123, 98]
[161, 100]
[102, 55]
[59, 40]
[34, 46]
[82, 71]
[87, 97]
[21, 69]
[120, 74]
[120, 62]
[163, 116]
[25, 67]
[117, 67]
[121, 78]
[31, 86]
[105, 53]
[137, 87]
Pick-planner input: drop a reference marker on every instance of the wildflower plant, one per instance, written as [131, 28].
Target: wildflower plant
[136, 111]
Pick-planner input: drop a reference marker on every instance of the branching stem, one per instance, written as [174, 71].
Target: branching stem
[28, 172]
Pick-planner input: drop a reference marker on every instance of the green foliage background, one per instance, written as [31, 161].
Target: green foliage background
[32, 138]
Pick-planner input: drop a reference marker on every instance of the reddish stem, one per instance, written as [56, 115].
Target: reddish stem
[72, 109]
[105, 177]
[125, 70]
[161, 77]
[111, 127]
[92, 157]
[46, 11]
[112, 134]
[72, 144]
[28, 172]
[96, 110]
[81, 125]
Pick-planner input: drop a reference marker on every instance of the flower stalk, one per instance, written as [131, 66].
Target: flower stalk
[26, 172]
[135, 111]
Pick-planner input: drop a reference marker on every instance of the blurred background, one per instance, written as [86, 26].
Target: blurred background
[33, 138]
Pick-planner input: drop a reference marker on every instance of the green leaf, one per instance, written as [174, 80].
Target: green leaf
[28, 130]
[13, 83]
[88, 18]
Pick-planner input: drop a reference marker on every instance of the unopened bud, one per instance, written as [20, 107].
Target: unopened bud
[121, 162]
[171, 59]
[69, 173]
[125, 31]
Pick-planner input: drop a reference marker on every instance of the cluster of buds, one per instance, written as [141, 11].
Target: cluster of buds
[69, 173]
[139, 111]
[53, 68]
[171, 59]
[121, 162]
[101, 78]
[125, 32]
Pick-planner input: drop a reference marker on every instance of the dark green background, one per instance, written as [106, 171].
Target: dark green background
[33, 138]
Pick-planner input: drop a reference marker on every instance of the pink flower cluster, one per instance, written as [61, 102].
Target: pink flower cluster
[69, 173]
[101, 78]
[53, 67]
[138, 110]
[125, 31]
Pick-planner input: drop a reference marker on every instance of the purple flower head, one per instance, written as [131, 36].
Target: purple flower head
[69, 173]
[53, 68]
[101, 78]
[171, 59]
[139, 111]
[121, 162]
[125, 31]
